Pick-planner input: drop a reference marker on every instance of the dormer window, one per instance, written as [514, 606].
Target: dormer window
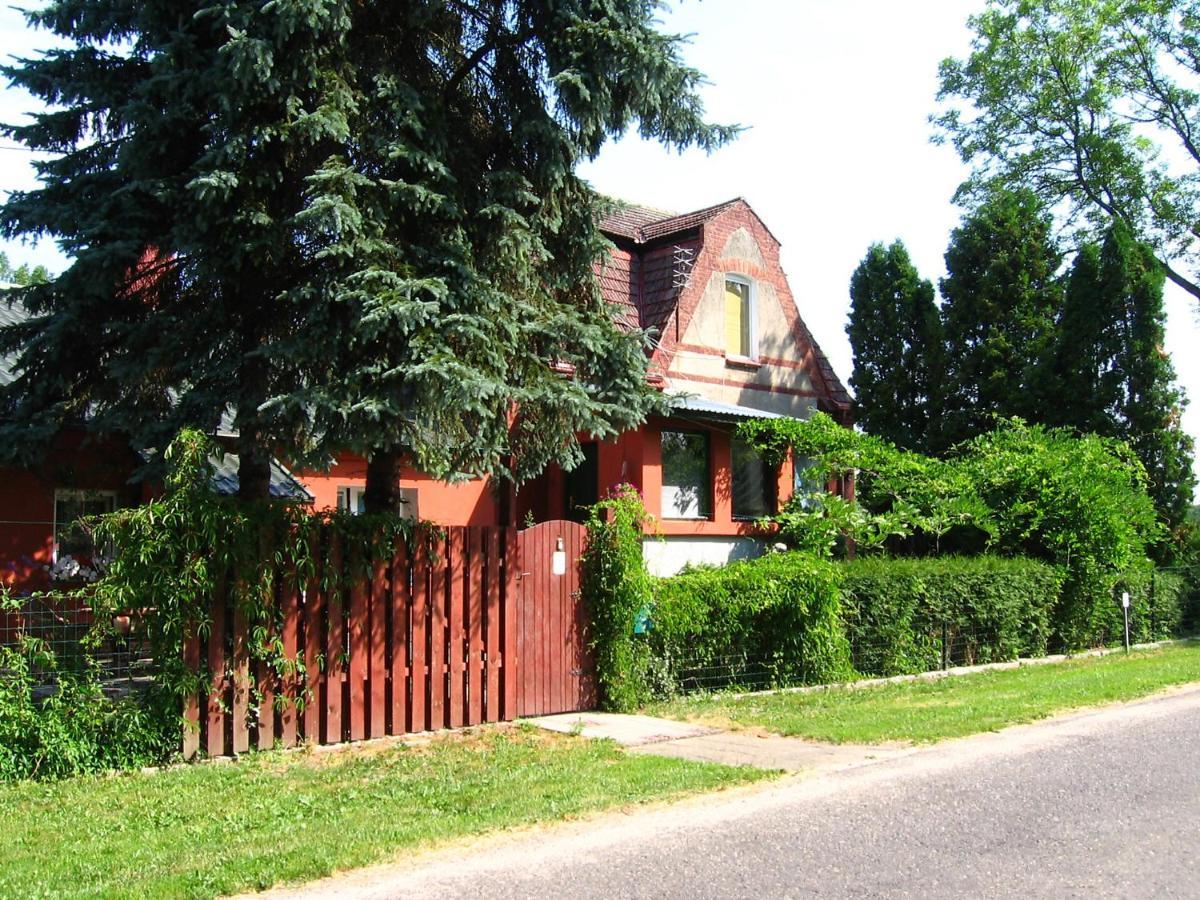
[739, 318]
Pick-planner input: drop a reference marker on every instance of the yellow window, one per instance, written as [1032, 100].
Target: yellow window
[737, 318]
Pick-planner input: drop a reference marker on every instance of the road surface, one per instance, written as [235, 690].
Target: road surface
[1104, 803]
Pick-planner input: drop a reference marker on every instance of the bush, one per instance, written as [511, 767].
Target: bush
[900, 613]
[1156, 606]
[777, 614]
[56, 721]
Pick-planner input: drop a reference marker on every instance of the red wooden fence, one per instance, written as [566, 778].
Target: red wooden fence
[416, 640]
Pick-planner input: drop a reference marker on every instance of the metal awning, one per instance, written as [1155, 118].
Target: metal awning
[703, 408]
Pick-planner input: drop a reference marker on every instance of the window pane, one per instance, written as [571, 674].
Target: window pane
[71, 538]
[685, 475]
[751, 483]
[737, 318]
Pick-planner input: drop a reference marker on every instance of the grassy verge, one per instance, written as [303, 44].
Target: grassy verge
[950, 707]
[200, 831]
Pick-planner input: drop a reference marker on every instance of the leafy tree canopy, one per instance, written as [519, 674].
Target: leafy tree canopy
[1092, 104]
[22, 275]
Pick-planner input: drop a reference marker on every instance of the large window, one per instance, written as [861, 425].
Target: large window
[739, 318]
[686, 475]
[71, 537]
[753, 484]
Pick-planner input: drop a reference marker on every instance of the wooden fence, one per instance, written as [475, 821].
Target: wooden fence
[427, 640]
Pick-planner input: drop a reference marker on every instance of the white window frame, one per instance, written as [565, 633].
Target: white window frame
[752, 302]
[72, 494]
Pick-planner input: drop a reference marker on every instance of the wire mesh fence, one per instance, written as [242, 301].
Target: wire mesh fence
[57, 634]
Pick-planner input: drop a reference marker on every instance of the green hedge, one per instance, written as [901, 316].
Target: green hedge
[901, 614]
[773, 619]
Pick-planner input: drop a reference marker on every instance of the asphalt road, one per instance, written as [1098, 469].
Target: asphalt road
[1102, 804]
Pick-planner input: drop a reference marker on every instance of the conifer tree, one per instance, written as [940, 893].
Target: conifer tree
[347, 225]
[896, 338]
[1000, 298]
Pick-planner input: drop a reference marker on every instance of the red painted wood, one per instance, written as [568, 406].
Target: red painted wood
[191, 706]
[265, 738]
[377, 671]
[492, 626]
[510, 673]
[335, 644]
[478, 587]
[358, 625]
[458, 634]
[314, 644]
[437, 633]
[400, 599]
[241, 681]
[289, 609]
[214, 743]
[420, 613]
[557, 630]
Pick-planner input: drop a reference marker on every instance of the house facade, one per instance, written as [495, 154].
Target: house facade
[729, 344]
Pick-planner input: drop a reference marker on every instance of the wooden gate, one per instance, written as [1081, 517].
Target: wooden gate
[556, 672]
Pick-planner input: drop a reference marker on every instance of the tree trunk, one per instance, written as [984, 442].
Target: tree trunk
[254, 451]
[382, 493]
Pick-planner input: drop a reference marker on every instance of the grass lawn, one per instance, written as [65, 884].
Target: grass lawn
[199, 831]
[950, 707]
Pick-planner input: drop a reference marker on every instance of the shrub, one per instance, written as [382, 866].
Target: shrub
[779, 612]
[56, 721]
[900, 613]
[616, 590]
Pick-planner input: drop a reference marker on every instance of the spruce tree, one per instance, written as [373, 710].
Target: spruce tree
[1000, 298]
[895, 335]
[349, 225]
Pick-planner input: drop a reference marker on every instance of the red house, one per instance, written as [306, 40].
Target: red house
[729, 345]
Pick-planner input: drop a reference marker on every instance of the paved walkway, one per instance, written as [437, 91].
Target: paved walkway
[684, 740]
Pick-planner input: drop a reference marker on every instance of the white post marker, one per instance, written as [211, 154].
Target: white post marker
[1125, 609]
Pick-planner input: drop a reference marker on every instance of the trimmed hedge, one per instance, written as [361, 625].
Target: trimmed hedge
[902, 614]
[778, 614]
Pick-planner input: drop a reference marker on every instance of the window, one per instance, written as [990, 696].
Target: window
[806, 483]
[71, 538]
[739, 318]
[685, 475]
[753, 485]
[353, 499]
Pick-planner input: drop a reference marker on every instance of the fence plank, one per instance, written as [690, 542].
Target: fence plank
[377, 670]
[556, 663]
[358, 626]
[335, 643]
[314, 643]
[289, 609]
[437, 633]
[241, 681]
[510, 672]
[420, 613]
[492, 625]
[474, 625]
[400, 601]
[191, 707]
[458, 639]
[215, 710]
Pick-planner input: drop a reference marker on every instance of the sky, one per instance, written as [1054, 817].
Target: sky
[835, 97]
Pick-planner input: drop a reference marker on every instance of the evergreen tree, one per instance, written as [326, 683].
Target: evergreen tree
[895, 335]
[1000, 298]
[352, 225]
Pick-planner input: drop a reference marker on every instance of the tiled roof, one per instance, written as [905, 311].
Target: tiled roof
[645, 223]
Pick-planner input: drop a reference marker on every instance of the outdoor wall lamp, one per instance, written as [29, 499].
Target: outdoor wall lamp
[558, 562]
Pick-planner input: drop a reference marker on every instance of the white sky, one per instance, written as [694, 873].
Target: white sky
[836, 95]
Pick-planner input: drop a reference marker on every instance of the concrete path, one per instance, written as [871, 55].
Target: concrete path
[683, 740]
[1102, 803]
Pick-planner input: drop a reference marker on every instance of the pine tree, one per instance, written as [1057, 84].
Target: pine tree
[351, 225]
[1000, 299]
[895, 335]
